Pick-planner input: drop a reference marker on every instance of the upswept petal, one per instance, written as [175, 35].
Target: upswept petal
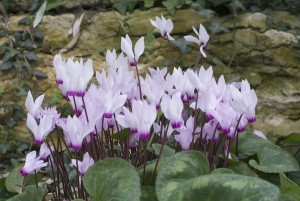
[139, 48]
[31, 124]
[202, 51]
[203, 34]
[127, 49]
[191, 39]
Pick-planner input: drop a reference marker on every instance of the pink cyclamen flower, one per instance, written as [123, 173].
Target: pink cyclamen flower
[110, 102]
[52, 112]
[210, 131]
[140, 119]
[128, 120]
[34, 107]
[185, 136]
[75, 131]
[126, 46]
[202, 39]
[60, 69]
[225, 116]
[164, 26]
[32, 164]
[77, 76]
[244, 101]
[157, 129]
[172, 109]
[45, 151]
[40, 131]
[200, 80]
[84, 165]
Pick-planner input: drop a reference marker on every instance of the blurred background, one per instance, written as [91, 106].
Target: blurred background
[249, 39]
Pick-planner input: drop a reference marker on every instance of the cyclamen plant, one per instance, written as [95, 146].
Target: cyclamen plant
[123, 115]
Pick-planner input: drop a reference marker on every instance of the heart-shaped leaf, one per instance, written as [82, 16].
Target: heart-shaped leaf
[273, 159]
[113, 179]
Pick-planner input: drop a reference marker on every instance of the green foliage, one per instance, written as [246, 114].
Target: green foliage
[52, 4]
[249, 143]
[176, 171]
[124, 5]
[273, 159]
[15, 181]
[149, 3]
[289, 187]
[148, 193]
[184, 177]
[222, 171]
[242, 168]
[166, 152]
[112, 178]
[182, 45]
[31, 193]
[4, 194]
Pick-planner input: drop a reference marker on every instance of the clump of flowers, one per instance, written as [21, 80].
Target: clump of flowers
[123, 114]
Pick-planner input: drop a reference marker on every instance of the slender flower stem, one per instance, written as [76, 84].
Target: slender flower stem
[145, 160]
[174, 64]
[78, 176]
[54, 181]
[139, 82]
[230, 141]
[195, 118]
[36, 182]
[160, 152]
[76, 110]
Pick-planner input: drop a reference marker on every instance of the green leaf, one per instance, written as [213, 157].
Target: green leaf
[6, 66]
[24, 20]
[171, 5]
[149, 37]
[39, 14]
[31, 56]
[285, 197]
[149, 3]
[15, 181]
[39, 74]
[124, 133]
[289, 187]
[291, 139]
[273, 159]
[113, 178]
[166, 152]
[222, 171]
[218, 62]
[4, 194]
[207, 13]
[150, 166]
[213, 187]
[181, 43]
[174, 171]
[249, 143]
[51, 4]
[242, 168]
[148, 193]
[10, 53]
[216, 28]
[122, 6]
[31, 193]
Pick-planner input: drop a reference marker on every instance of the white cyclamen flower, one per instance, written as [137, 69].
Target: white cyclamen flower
[126, 46]
[202, 39]
[164, 26]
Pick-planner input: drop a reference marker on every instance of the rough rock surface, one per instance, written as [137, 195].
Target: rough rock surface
[266, 56]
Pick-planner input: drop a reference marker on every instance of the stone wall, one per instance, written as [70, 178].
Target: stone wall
[265, 55]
